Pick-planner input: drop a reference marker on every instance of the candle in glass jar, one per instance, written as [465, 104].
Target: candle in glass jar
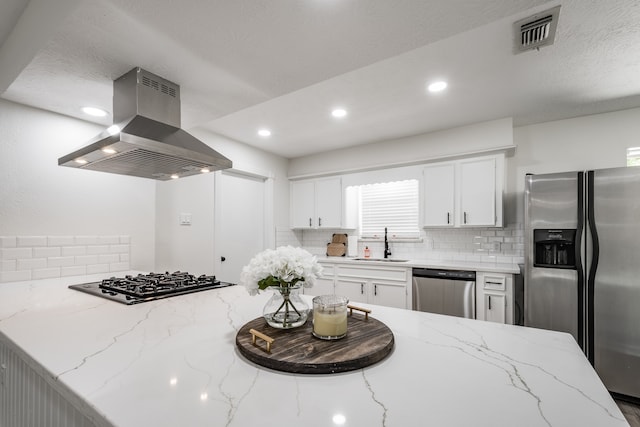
[330, 316]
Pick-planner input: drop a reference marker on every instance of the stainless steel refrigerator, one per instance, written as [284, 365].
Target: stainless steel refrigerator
[582, 266]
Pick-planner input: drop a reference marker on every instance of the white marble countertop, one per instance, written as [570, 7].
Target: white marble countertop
[451, 265]
[173, 362]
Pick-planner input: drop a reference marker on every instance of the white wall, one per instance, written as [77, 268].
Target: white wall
[38, 197]
[474, 138]
[192, 248]
[588, 142]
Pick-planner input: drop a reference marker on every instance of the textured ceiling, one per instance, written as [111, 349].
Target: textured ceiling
[247, 64]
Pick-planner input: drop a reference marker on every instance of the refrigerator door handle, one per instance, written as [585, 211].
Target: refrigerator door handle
[595, 253]
[579, 263]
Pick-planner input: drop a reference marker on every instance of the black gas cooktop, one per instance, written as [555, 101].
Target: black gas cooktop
[148, 287]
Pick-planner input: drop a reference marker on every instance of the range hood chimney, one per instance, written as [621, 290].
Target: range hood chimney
[146, 139]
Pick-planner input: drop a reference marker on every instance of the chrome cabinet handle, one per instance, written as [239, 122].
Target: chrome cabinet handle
[448, 218]
[319, 222]
[489, 302]
[465, 217]
[375, 289]
[310, 222]
[362, 288]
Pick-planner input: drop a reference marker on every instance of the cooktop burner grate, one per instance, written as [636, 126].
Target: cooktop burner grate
[147, 287]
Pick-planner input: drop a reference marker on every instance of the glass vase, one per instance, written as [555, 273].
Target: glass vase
[285, 309]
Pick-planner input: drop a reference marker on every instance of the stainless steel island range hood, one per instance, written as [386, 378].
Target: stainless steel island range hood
[146, 139]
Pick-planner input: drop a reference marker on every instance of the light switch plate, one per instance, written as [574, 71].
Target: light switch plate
[185, 219]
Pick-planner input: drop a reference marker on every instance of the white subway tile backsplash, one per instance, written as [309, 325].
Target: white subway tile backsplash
[76, 270]
[60, 241]
[74, 250]
[16, 253]
[86, 240]
[31, 241]
[15, 276]
[8, 241]
[97, 250]
[86, 259]
[46, 252]
[108, 259]
[46, 273]
[97, 268]
[8, 265]
[39, 257]
[108, 240]
[119, 266]
[60, 261]
[118, 249]
[31, 263]
[466, 244]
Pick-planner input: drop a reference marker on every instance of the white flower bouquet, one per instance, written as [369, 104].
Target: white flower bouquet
[282, 267]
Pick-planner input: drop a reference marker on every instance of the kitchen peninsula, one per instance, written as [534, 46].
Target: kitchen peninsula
[174, 362]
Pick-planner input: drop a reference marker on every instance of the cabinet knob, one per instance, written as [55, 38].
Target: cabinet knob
[223, 259]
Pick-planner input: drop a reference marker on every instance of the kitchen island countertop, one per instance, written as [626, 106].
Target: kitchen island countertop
[173, 362]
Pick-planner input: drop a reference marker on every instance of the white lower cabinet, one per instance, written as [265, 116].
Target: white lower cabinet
[380, 285]
[494, 297]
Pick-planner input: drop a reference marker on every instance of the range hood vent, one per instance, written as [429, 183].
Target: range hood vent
[536, 31]
[146, 139]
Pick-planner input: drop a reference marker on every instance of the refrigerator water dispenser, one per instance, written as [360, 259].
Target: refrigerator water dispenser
[554, 248]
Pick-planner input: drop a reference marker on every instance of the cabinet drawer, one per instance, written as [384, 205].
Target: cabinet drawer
[399, 274]
[495, 282]
[328, 270]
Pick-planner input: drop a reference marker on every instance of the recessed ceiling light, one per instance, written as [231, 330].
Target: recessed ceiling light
[437, 86]
[264, 132]
[113, 129]
[93, 111]
[339, 112]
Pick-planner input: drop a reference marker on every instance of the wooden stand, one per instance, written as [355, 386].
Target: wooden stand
[296, 350]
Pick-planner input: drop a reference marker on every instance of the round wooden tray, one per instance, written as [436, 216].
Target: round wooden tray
[298, 351]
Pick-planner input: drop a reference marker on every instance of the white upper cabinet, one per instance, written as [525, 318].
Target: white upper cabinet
[464, 193]
[316, 203]
[439, 190]
[478, 192]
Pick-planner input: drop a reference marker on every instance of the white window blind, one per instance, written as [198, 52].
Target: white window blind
[391, 204]
[633, 156]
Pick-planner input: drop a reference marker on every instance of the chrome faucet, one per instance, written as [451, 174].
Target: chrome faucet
[387, 251]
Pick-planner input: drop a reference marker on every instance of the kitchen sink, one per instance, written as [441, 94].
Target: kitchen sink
[382, 259]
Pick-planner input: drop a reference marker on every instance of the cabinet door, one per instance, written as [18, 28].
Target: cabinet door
[439, 195]
[478, 192]
[323, 286]
[302, 204]
[389, 295]
[495, 307]
[328, 203]
[354, 290]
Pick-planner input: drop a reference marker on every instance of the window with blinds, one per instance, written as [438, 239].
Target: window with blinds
[391, 204]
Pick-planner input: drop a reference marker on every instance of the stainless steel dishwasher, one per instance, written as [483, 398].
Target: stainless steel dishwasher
[451, 292]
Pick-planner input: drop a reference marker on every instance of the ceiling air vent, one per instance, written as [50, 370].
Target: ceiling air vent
[537, 30]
